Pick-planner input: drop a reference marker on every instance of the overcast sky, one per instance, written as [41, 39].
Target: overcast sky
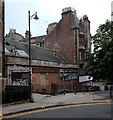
[49, 11]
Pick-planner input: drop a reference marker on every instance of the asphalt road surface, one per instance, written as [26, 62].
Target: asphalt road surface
[95, 110]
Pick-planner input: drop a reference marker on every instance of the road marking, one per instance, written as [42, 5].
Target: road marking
[42, 107]
[54, 108]
[75, 103]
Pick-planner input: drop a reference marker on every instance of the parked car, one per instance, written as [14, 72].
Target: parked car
[87, 88]
[94, 88]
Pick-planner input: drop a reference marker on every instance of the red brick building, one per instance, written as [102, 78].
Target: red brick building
[71, 37]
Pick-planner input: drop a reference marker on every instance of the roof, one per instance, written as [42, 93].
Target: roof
[75, 21]
[38, 39]
[38, 53]
[12, 51]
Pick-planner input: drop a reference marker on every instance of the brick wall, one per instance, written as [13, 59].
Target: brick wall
[66, 39]
[42, 79]
[62, 38]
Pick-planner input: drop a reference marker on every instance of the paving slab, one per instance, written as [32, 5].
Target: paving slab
[50, 101]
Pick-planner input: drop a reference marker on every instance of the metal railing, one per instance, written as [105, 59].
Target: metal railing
[58, 89]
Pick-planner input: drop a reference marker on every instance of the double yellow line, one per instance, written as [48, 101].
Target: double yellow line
[53, 108]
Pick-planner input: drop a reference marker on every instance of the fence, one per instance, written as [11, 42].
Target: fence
[57, 89]
[72, 88]
[15, 93]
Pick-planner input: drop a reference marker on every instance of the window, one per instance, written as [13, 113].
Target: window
[86, 45]
[80, 42]
[43, 79]
[80, 55]
[112, 14]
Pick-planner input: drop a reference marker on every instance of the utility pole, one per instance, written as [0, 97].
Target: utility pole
[30, 80]
[3, 53]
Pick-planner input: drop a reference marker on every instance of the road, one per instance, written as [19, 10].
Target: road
[91, 110]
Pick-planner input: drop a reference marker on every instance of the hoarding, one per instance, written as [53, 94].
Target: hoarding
[85, 78]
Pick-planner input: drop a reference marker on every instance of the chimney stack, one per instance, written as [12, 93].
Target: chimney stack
[27, 34]
[66, 10]
[51, 26]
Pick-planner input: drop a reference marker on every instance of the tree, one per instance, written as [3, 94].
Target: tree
[100, 63]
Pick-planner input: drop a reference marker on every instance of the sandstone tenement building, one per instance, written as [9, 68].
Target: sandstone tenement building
[71, 37]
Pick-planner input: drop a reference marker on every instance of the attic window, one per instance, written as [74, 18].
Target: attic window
[6, 50]
[54, 54]
[7, 43]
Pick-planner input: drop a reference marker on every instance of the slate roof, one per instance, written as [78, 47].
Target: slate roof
[38, 53]
[12, 51]
[38, 39]
[75, 20]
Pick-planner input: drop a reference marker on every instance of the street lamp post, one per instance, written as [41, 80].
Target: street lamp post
[3, 33]
[30, 82]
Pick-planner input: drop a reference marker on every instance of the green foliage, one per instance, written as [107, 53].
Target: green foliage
[32, 100]
[100, 63]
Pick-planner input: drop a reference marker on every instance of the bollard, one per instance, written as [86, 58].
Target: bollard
[83, 91]
[75, 90]
[64, 92]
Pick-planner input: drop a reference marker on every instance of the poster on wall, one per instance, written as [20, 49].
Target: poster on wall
[20, 78]
[85, 78]
[69, 74]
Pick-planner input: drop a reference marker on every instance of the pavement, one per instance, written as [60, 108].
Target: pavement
[46, 101]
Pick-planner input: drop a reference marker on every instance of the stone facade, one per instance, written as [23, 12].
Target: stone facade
[14, 35]
[71, 37]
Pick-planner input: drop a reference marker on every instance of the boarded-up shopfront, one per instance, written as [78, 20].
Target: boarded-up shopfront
[42, 78]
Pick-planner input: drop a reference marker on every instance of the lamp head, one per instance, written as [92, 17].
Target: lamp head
[36, 17]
